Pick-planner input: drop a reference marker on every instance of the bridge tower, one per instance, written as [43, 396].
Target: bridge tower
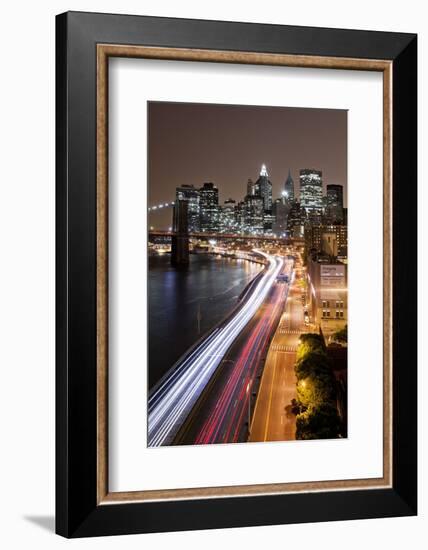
[180, 238]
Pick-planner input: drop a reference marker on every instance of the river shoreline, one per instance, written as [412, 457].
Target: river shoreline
[173, 330]
[246, 290]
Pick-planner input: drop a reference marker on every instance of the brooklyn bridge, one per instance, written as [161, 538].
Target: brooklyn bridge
[180, 236]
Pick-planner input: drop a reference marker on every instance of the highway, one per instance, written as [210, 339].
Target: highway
[272, 419]
[172, 400]
[222, 413]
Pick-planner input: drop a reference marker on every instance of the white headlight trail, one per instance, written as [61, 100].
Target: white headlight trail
[177, 394]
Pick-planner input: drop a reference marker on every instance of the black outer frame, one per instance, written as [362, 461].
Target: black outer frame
[77, 513]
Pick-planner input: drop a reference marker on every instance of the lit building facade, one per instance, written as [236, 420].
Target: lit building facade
[311, 190]
[280, 210]
[250, 187]
[240, 212]
[334, 204]
[227, 216]
[289, 188]
[209, 211]
[263, 188]
[296, 220]
[328, 303]
[268, 221]
[254, 214]
[332, 240]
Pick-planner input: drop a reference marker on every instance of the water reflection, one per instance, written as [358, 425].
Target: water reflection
[183, 305]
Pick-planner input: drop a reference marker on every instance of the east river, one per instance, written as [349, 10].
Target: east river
[185, 304]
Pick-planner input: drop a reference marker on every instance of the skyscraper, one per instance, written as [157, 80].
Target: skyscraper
[296, 220]
[253, 214]
[289, 188]
[208, 204]
[280, 210]
[190, 194]
[227, 216]
[250, 187]
[263, 188]
[311, 190]
[240, 210]
[334, 206]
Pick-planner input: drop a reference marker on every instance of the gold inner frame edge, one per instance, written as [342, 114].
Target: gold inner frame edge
[104, 52]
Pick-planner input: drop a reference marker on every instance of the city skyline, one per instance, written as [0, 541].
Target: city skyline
[190, 144]
[198, 210]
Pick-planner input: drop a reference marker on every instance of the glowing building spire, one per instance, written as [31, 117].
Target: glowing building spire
[263, 171]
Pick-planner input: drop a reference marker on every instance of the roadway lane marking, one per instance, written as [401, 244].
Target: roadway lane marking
[270, 398]
[283, 347]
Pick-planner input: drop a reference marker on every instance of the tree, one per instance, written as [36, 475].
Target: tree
[302, 283]
[316, 391]
[308, 343]
[320, 422]
[312, 363]
[341, 335]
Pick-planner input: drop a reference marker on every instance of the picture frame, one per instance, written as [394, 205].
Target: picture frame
[84, 44]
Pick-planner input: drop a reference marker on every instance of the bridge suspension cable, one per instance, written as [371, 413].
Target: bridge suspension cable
[160, 206]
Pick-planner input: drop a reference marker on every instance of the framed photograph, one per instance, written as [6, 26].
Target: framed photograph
[236, 274]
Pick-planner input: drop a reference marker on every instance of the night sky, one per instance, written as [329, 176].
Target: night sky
[227, 144]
